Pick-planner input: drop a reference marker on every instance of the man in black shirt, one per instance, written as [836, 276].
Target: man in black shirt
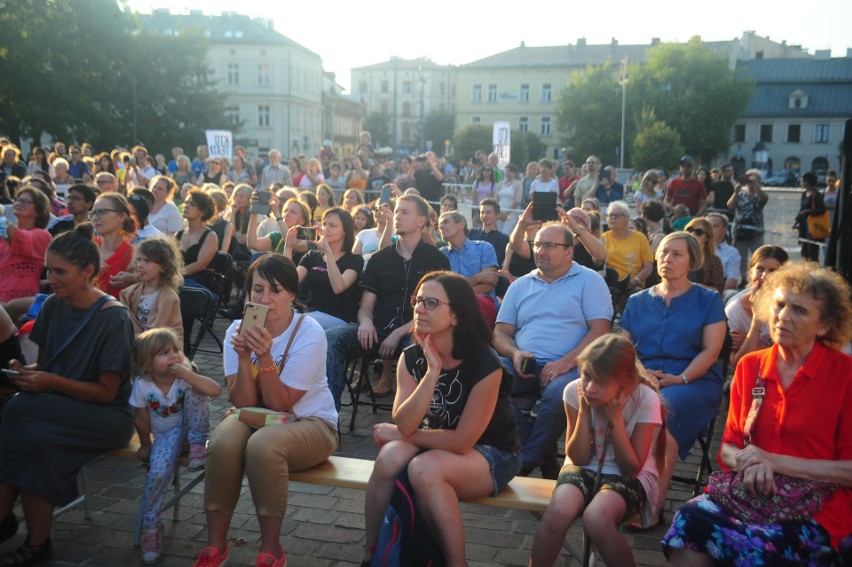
[428, 178]
[384, 318]
[721, 191]
[489, 212]
[81, 198]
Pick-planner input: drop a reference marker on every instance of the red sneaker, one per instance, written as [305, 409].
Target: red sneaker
[210, 557]
[269, 560]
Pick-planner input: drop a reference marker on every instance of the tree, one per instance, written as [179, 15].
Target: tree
[86, 71]
[438, 126]
[656, 144]
[693, 91]
[378, 125]
[588, 114]
[535, 149]
[471, 138]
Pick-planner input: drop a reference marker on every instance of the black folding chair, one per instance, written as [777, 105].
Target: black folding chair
[196, 306]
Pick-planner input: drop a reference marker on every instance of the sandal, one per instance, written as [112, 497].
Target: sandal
[8, 527]
[28, 554]
[383, 388]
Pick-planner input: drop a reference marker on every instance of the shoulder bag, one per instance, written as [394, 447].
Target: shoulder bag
[794, 498]
[819, 226]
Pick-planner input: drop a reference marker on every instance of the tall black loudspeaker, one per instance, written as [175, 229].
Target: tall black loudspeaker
[840, 242]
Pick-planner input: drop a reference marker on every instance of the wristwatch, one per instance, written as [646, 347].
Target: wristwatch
[279, 219]
[683, 377]
[580, 232]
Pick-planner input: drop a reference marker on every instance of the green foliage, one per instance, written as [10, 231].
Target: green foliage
[535, 148]
[693, 90]
[588, 114]
[438, 126]
[85, 71]
[471, 138]
[656, 144]
[378, 125]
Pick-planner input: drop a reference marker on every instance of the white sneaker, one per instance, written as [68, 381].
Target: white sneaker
[152, 545]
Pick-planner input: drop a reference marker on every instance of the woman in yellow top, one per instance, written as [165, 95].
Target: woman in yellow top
[356, 178]
[627, 251]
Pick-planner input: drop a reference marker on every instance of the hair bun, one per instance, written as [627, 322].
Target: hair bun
[85, 230]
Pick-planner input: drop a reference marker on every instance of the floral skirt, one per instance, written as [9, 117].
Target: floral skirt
[701, 525]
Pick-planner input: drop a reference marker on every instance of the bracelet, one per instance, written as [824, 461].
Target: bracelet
[268, 370]
[580, 233]
[683, 377]
[279, 219]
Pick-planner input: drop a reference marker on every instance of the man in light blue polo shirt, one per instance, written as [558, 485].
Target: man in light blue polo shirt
[548, 315]
[476, 260]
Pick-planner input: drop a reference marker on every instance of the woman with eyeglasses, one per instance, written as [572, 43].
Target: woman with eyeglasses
[216, 172]
[711, 274]
[627, 251]
[23, 243]
[116, 229]
[164, 215]
[748, 202]
[453, 430]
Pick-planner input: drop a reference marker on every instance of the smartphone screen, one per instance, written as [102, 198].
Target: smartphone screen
[254, 315]
[262, 205]
[306, 233]
[544, 206]
[386, 194]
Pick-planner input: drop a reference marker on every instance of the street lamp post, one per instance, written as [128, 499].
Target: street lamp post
[623, 83]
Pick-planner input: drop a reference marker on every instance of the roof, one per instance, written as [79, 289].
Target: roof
[827, 84]
[227, 28]
[402, 64]
[580, 55]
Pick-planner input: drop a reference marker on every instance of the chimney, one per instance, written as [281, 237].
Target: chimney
[822, 54]
[614, 42]
[655, 41]
[581, 42]
[523, 44]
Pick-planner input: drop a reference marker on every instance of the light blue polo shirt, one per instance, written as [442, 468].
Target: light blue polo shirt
[473, 257]
[552, 318]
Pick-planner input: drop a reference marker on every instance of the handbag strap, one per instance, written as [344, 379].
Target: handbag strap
[87, 316]
[758, 393]
[290, 342]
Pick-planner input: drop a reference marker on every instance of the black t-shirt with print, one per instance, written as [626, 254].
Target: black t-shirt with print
[317, 291]
[453, 389]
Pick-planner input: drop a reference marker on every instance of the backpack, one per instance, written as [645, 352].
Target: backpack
[404, 540]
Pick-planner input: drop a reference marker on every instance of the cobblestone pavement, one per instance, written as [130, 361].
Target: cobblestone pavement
[324, 526]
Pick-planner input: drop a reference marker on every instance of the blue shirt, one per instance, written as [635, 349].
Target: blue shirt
[473, 257]
[552, 318]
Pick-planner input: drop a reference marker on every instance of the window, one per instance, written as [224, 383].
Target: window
[476, 96]
[492, 93]
[525, 93]
[476, 120]
[765, 133]
[739, 132]
[263, 115]
[524, 124]
[233, 73]
[545, 125]
[406, 109]
[442, 88]
[263, 78]
[406, 87]
[545, 92]
[384, 107]
[384, 86]
[794, 133]
[406, 131]
[821, 134]
[362, 87]
[233, 113]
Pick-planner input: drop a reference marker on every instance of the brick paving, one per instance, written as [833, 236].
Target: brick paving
[324, 526]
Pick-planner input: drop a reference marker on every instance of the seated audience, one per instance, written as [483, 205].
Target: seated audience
[198, 243]
[164, 215]
[452, 447]
[546, 319]
[798, 431]
[115, 229]
[627, 251]
[80, 200]
[679, 329]
[139, 202]
[711, 274]
[23, 244]
[489, 214]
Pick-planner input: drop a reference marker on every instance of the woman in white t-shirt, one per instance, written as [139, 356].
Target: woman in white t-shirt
[259, 375]
[164, 215]
[367, 241]
[613, 414]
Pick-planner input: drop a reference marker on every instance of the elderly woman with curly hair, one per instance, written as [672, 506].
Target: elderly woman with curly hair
[788, 420]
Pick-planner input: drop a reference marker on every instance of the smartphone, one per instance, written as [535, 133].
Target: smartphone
[385, 197]
[10, 372]
[262, 205]
[528, 365]
[544, 206]
[306, 233]
[254, 315]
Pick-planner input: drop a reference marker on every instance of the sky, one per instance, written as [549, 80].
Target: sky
[359, 33]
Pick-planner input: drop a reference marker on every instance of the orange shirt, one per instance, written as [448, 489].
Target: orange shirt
[811, 419]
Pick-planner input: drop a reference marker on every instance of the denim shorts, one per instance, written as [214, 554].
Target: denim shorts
[503, 465]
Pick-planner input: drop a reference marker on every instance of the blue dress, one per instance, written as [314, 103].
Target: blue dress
[667, 338]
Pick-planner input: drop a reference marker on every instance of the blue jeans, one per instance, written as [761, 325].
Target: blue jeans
[539, 434]
[343, 345]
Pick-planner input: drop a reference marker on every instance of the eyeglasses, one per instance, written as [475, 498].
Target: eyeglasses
[429, 303]
[24, 202]
[548, 245]
[696, 231]
[614, 215]
[98, 213]
[103, 180]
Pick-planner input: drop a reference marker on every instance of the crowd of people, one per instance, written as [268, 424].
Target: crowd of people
[495, 335]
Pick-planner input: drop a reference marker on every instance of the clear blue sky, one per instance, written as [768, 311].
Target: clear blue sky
[357, 33]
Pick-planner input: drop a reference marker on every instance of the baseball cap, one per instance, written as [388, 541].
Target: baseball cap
[686, 159]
